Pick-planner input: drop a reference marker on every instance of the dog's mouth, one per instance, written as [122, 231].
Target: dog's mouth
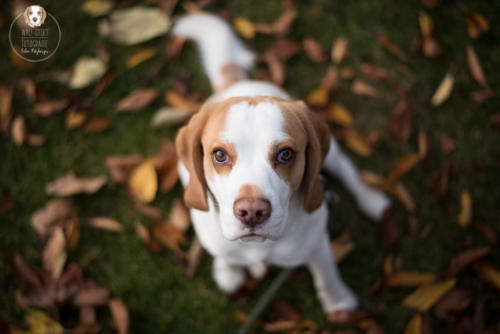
[252, 235]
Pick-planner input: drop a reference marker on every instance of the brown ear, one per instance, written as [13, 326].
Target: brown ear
[44, 15]
[25, 14]
[190, 151]
[317, 148]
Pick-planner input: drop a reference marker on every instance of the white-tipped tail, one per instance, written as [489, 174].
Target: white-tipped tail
[219, 47]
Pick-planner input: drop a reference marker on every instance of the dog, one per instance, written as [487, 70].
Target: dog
[34, 16]
[250, 161]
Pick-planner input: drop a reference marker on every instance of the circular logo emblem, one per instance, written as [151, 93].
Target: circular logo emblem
[35, 34]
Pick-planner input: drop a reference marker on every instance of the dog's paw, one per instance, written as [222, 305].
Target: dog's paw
[340, 301]
[374, 203]
[229, 278]
[258, 270]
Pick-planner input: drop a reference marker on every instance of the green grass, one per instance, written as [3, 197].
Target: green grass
[153, 286]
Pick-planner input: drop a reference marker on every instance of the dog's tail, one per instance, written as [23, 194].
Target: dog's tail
[225, 58]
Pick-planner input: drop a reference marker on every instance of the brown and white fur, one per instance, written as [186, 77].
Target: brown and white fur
[250, 161]
[34, 16]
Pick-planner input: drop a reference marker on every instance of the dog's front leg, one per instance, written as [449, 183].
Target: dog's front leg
[332, 292]
[229, 277]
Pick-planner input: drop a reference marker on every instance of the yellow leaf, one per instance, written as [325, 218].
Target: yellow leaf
[465, 215]
[318, 97]
[443, 91]
[144, 181]
[427, 295]
[357, 144]
[403, 166]
[97, 7]
[426, 24]
[410, 278]
[477, 25]
[489, 274]
[415, 325]
[40, 323]
[244, 27]
[140, 56]
[338, 114]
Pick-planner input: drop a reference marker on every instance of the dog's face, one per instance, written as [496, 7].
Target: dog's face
[251, 155]
[35, 16]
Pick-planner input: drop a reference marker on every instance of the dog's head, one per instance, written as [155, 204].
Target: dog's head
[252, 155]
[34, 15]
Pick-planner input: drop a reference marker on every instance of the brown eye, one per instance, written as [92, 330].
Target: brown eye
[220, 157]
[285, 156]
[38, 12]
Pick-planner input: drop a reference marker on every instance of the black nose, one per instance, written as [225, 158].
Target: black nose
[252, 212]
[35, 18]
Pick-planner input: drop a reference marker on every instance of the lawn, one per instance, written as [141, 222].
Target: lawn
[153, 285]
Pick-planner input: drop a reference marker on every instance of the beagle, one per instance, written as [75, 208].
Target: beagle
[250, 161]
[34, 16]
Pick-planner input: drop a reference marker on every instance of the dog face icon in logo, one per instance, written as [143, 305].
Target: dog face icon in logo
[35, 16]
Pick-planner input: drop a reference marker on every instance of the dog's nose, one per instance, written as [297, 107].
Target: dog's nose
[35, 18]
[252, 212]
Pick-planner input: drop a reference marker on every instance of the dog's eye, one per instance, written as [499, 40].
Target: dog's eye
[285, 156]
[38, 12]
[220, 157]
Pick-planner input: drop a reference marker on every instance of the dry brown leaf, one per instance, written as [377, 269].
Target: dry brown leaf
[121, 166]
[35, 140]
[145, 236]
[487, 232]
[389, 230]
[372, 72]
[90, 296]
[415, 325]
[29, 87]
[402, 194]
[357, 143]
[72, 232]
[489, 274]
[106, 223]
[410, 278]
[285, 48]
[477, 25]
[464, 259]
[52, 213]
[403, 166]
[151, 211]
[169, 235]
[19, 132]
[319, 97]
[143, 182]
[400, 122]
[427, 295]
[69, 184]
[360, 87]
[372, 179]
[166, 165]
[23, 270]
[430, 47]
[120, 315]
[413, 225]
[97, 124]
[313, 49]
[244, 27]
[453, 302]
[440, 179]
[140, 56]
[426, 24]
[338, 114]
[423, 144]
[384, 40]
[339, 49]
[475, 67]
[75, 118]
[342, 246]
[168, 116]
[347, 73]
[331, 79]
[447, 144]
[178, 101]
[282, 25]
[194, 257]
[481, 96]
[5, 107]
[54, 253]
[276, 68]
[137, 100]
[465, 215]
[443, 91]
[48, 108]
[179, 215]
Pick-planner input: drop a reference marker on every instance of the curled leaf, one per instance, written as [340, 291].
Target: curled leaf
[339, 49]
[86, 71]
[69, 184]
[475, 67]
[120, 315]
[313, 50]
[465, 215]
[144, 182]
[137, 100]
[54, 254]
[106, 223]
[443, 91]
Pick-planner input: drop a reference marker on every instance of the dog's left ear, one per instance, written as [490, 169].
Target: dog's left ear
[25, 14]
[44, 15]
[318, 144]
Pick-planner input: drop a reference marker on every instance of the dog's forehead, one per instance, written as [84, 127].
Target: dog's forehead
[249, 123]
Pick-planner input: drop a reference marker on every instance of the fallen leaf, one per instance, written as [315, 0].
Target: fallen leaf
[106, 223]
[120, 315]
[489, 274]
[285, 48]
[143, 182]
[372, 179]
[447, 144]
[360, 87]
[402, 194]
[282, 25]
[166, 165]
[357, 143]
[423, 144]
[19, 132]
[313, 49]
[465, 215]
[35, 140]
[137, 100]
[140, 56]
[169, 235]
[475, 67]
[54, 253]
[276, 67]
[348, 317]
[5, 107]
[384, 40]
[331, 79]
[86, 71]
[487, 231]
[97, 7]
[74, 118]
[426, 24]
[403, 166]
[464, 259]
[389, 230]
[443, 91]
[168, 116]
[410, 278]
[145, 236]
[40, 323]
[318, 97]
[69, 184]
[54, 212]
[97, 124]
[347, 73]
[138, 24]
[477, 25]
[121, 166]
[150, 211]
[339, 49]
[179, 215]
[413, 225]
[481, 96]
[23, 270]
[48, 108]
[91, 296]
[342, 246]
[372, 72]
[452, 303]
[427, 295]
[178, 101]
[338, 114]
[29, 87]
[440, 179]
[400, 122]
[244, 27]
[193, 259]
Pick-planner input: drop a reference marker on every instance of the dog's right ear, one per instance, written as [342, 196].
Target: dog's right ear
[190, 151]
[25, 15]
